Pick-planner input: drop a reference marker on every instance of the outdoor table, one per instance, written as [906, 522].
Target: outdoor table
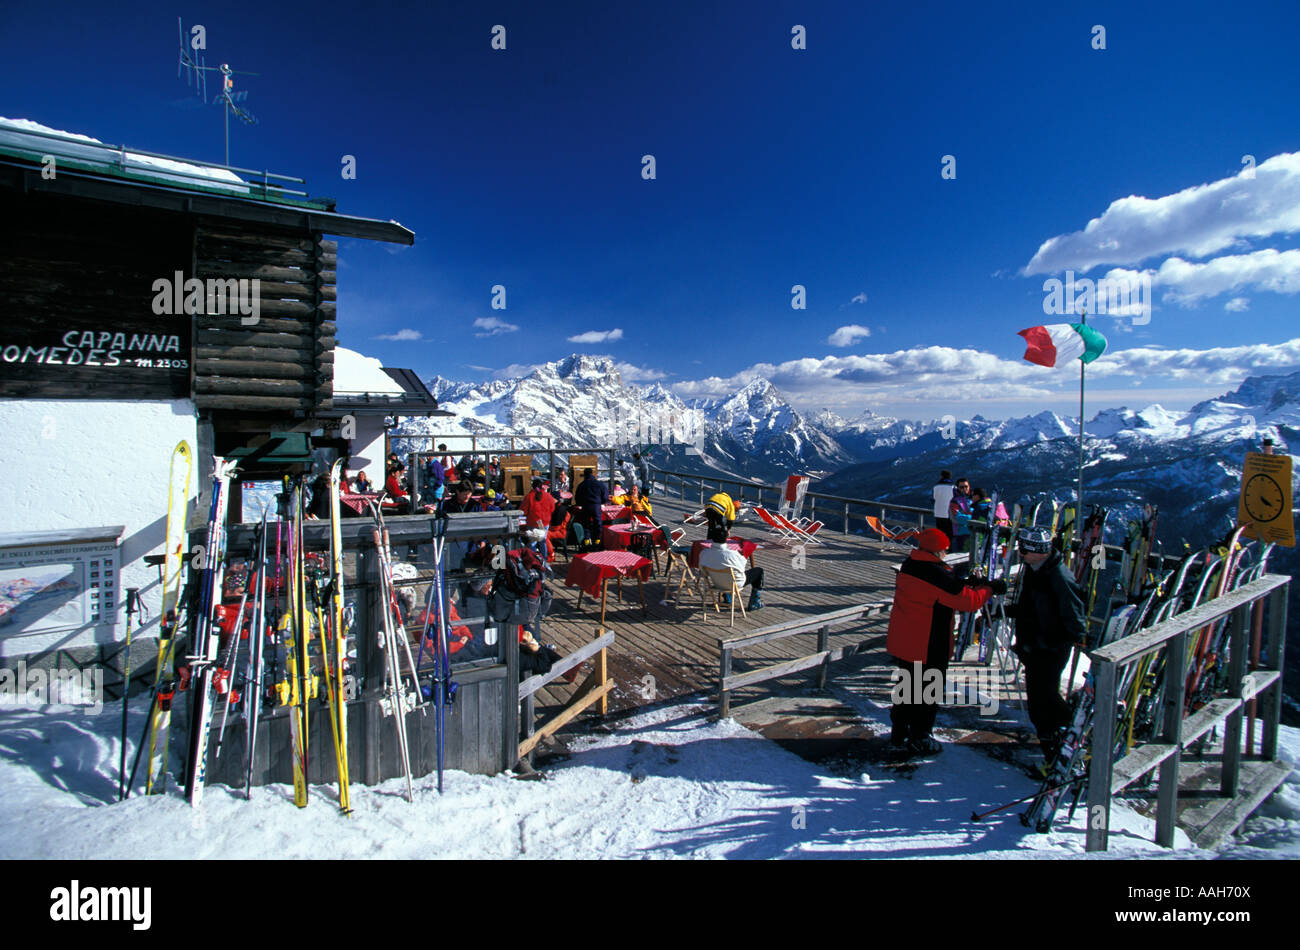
[615, 513]
[357, 501]
[591, 572]
[745, 547]
[618, 537]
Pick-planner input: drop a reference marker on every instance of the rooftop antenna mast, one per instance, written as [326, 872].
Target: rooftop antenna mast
[192, 63]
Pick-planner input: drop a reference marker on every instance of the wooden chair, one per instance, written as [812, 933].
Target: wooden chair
[719, 581]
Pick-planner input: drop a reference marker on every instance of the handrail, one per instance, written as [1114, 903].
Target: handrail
[820, 660]
[1165, 751]
[920, 514]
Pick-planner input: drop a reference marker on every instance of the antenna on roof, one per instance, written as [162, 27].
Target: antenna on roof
[228, 98]
[191, 64]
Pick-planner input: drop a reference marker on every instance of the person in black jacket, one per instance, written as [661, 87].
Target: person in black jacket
[1049, 618]
[589, 497]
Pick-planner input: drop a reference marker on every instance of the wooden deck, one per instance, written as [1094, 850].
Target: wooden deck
[672, 650]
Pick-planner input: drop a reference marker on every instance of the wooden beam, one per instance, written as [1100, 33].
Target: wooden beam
[564, 718]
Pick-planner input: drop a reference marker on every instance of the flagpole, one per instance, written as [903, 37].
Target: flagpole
[1078, 512]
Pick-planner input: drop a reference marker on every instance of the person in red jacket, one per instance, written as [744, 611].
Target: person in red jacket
[538, 507]
[921, 638]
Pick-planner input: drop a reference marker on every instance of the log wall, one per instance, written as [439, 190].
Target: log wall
[284, 362]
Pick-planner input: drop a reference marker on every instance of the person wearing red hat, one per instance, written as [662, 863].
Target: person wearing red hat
[921, 638]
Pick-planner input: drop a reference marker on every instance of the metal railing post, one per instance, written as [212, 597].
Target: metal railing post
[1103, 746]
[1170, 734]
[846, 517]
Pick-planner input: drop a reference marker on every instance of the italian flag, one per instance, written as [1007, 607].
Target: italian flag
[1058, 343]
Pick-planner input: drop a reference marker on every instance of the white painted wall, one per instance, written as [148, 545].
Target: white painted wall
[81, 463]
[368, 445]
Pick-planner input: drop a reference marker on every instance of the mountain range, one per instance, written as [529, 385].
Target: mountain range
[1186, 463]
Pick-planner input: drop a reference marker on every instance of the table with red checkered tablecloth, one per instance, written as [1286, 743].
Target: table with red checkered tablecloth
[591, 572]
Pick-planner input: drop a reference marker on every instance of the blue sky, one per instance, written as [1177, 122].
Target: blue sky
[775, 167]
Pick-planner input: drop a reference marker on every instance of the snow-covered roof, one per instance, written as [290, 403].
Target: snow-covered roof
[355, 373]
[30, 137]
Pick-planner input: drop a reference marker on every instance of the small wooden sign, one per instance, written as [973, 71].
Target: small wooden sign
[1266, 501]
[518, 476]
[577, 463]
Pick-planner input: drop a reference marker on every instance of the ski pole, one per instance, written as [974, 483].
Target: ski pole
[980, 816]
[132, 604]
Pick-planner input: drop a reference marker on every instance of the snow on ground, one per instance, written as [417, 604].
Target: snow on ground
[667, 783]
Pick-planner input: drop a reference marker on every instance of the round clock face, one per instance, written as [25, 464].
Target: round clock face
[1263, 498]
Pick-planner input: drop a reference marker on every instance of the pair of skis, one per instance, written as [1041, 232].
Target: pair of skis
[397, 698]
[325, 615]
[443, 691]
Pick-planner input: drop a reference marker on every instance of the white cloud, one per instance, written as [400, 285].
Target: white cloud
[493, 326]
[516, 370]
[1199, 221]
[597, 336]
[965, 378]
[402, 336]
[847, 336]
[858, 298]
[1237, 305]
[638, 374]
[1268, 269]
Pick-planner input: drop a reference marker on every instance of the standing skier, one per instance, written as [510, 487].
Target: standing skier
[1049, 619]
[942, 496]
[921, 638]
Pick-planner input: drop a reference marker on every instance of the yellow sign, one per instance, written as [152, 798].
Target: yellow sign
[1265, 505]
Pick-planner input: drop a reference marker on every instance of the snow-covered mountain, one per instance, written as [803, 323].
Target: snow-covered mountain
[584, 401]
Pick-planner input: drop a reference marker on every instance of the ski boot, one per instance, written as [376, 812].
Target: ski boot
[755, 600]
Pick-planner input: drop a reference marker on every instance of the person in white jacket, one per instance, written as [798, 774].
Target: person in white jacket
[942, 499]
[719, 555]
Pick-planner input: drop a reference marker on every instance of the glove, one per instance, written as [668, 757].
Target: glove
[999, 587]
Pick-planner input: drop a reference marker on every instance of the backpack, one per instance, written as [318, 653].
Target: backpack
[519, 594]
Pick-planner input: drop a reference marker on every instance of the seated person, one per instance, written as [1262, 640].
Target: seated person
[718, 555]
[320, 498]
[459, 501]
[720, 513]
[536, 659]
[362, 484]
[638, 502]
[618, 496]
[494, 502]
[396, 493]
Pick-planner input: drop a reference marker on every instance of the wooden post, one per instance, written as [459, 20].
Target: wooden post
[724, 694]
[1171, 734]
[602, 673]
[1239, 621]
[823, 644]
[1271, 705]
[1097, 819]
[529, 723]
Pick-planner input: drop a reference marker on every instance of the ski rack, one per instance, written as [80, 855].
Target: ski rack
[1106, 777]
[482, 736]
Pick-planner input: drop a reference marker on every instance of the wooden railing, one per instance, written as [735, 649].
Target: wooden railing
[1106, 777]
[705, 485]
[594, 689]
[821, 659]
